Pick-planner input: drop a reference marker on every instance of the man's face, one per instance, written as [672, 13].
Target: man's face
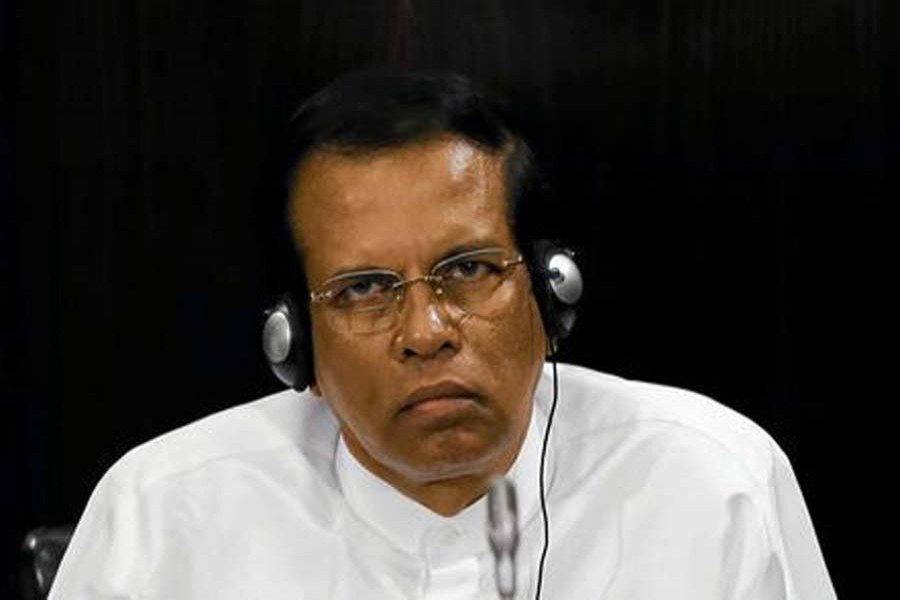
[405, 209]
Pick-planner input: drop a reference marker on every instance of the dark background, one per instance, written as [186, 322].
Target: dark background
[725, 167]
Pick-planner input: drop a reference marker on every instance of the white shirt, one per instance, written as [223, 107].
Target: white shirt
[653, 493]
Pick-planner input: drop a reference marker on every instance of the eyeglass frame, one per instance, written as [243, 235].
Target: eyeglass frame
[322, 297]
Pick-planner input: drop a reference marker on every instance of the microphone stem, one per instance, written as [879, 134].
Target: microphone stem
[506, 576]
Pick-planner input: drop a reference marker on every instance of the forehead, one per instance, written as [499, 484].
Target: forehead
[397, 208]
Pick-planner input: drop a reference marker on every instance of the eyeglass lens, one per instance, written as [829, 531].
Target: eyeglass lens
[468, 284]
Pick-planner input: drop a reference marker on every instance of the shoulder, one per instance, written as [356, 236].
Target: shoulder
[682, 485]
[285, 426]
[258, 471]
[601, 414]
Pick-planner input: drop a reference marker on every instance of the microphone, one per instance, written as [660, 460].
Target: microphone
[503, 534]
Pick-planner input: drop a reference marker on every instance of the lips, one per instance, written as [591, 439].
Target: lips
[445, 390]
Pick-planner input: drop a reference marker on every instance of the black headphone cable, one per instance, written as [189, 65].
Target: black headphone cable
[540, 580]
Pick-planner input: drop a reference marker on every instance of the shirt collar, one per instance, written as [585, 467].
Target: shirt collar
[407, 523]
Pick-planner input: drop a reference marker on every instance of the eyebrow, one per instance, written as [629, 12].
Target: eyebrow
[470, 247]
[373, 269]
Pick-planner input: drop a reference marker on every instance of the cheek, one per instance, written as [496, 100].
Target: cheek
[515, 348]
[524, 333]
[347, 373]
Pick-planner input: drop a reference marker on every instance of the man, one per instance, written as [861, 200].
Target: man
[418, 320]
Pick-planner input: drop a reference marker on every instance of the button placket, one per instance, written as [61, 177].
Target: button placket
[452, 572]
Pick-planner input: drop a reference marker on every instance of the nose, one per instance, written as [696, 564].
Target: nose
[426, 326]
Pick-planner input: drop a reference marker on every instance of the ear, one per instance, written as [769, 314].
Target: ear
[314, 388]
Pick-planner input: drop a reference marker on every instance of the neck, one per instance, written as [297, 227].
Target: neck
[449, 497]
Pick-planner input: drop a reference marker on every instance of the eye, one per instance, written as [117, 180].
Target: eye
[469, 269]
[364, 289]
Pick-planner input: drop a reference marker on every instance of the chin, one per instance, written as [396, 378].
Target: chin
[455, 458]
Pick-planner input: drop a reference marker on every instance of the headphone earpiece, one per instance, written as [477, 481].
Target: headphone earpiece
[556, 281]
[558, 287]
[565, 277]
[286, 343]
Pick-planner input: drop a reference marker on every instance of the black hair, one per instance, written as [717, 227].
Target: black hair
[367, 111]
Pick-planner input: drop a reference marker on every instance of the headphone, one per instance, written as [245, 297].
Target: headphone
[555, 280]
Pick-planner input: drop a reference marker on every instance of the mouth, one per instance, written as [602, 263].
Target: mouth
[438, 398]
